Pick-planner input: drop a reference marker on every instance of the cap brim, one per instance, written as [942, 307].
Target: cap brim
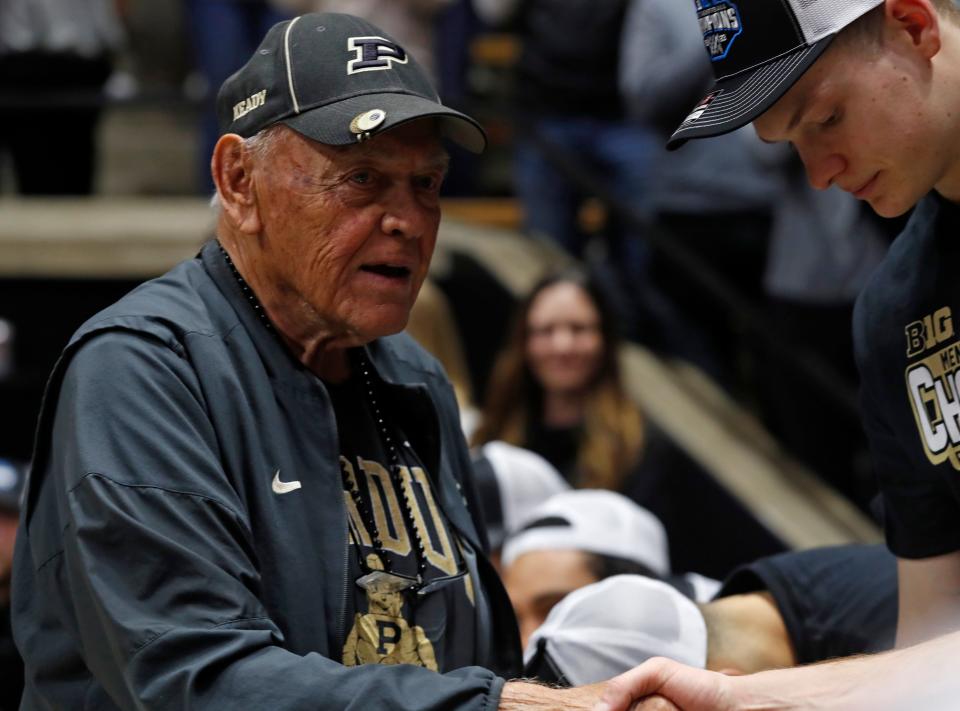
[736, 101]
[330, 124]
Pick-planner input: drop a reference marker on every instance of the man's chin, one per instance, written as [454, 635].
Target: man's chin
[389, 321]
[889, 208]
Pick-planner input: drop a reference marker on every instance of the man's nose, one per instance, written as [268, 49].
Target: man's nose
[403, 214]
[823, 167]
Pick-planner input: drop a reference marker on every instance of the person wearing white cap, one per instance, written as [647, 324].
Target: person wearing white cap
[788, 609]
[868, 93]
[577, 538]
[511, 482]
[605, 628]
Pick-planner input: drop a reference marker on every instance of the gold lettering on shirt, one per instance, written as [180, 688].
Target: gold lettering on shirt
[383, 501]
[350, 478]
[933, 385]
[443, 559]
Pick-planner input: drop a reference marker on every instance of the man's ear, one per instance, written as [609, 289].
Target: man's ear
[232, 170]
[919, 19]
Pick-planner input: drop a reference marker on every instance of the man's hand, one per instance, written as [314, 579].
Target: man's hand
[671, 685]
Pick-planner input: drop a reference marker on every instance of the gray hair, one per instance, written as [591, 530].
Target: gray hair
[259, 145]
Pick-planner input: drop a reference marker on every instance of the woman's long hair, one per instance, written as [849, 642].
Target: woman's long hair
[612, 433]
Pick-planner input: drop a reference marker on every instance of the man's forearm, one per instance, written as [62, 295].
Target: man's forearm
[527, 696]
[921, 677]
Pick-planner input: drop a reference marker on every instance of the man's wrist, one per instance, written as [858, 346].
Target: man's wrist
[531, 696]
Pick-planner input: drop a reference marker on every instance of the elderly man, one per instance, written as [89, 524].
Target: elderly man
[247, 493]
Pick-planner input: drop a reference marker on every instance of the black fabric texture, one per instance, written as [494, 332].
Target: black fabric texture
[906, 344]
[569, 61]
[834, 601]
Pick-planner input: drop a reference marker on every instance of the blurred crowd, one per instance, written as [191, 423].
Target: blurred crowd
[588, 502]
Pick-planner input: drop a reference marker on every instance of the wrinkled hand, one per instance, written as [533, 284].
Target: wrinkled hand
[671, 686]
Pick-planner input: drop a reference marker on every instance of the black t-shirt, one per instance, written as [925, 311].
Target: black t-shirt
[834, 601]
[558, 445]
[908, 352]
[397, 627]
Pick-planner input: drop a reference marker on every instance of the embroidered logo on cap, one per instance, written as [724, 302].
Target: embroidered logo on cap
[721, 25]
[374, 54]
[249, 104]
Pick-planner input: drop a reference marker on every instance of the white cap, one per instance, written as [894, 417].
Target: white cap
[596, 521]
[604, 629]
[525, 480]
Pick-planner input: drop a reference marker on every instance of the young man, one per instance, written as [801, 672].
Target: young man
[868, 93]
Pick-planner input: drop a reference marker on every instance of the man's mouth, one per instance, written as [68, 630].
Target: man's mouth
[387, 270]
[861, 192]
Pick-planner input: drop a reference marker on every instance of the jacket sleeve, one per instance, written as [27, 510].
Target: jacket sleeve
[158, 574]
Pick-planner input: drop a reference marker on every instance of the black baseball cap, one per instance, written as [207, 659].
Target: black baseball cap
[336, 79]
[759, 49]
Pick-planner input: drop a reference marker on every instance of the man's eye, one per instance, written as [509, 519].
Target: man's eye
[361, 178]
[831, 119]
[427, 182]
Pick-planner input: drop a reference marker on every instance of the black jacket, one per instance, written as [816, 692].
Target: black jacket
[156, 568]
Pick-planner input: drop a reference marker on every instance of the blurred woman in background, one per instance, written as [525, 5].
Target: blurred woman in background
[556, 386]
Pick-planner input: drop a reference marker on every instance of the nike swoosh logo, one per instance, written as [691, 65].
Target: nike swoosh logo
[284, 487]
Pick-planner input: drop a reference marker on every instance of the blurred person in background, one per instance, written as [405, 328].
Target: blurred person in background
[556, 387]
[433, 326]
[577, 538]
[795, 608]
[568, 104]
[724, 222]
[11, 665]
[224, 34]
[511, 482]
[55, 58]
[412, 23]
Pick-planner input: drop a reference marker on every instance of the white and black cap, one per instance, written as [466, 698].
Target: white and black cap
[759, 49]
[604, 629]
[335, 79]
[594, 521]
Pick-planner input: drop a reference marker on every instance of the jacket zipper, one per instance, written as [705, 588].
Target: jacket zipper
[342, 623]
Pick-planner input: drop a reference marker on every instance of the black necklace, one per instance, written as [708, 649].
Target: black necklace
[394, 467]
[393, 454]
[248, 292]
